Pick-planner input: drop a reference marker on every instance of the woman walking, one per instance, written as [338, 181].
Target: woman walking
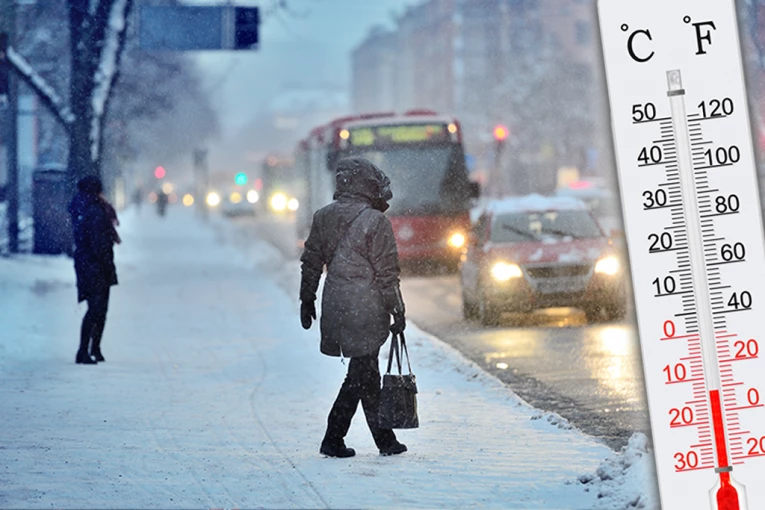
[354, 240]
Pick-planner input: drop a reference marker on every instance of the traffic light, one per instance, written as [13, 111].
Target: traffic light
[240, 179]
[501, 133]
[246, 23]
[159, 172]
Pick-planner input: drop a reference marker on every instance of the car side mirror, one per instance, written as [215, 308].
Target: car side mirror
[474, 189]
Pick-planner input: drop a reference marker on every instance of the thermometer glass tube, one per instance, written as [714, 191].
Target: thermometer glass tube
[727, 494]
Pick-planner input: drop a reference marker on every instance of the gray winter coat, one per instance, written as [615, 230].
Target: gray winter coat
[362, 285]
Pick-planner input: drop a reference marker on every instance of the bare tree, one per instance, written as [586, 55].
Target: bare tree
[98, 30]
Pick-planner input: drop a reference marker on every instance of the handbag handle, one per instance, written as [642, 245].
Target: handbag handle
[395, 348]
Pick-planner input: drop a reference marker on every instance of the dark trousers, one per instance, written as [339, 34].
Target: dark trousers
[94, 321]
[362, 383]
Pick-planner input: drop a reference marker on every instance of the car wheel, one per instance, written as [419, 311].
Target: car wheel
[488, 314]
[616, 312]
[594, 314]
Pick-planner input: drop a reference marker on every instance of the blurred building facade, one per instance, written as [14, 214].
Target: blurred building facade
[532, 65]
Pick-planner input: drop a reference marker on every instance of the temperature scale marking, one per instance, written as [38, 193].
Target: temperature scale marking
[694, 232]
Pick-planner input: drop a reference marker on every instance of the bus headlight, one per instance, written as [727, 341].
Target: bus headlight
[213, 199]
[457, 240]
[607, 265]
[502, 271]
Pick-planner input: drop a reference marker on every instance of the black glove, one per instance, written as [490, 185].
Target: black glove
[307, 313]
[399, 324]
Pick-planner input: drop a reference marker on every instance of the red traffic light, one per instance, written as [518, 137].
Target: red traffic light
[501, 132]
[159, 172]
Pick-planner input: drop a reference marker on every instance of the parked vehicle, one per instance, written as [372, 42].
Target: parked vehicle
[534, 252]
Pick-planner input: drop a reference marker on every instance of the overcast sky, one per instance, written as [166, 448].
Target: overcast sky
[308, 45]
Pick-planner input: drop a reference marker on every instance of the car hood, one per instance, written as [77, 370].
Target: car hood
[551, 252]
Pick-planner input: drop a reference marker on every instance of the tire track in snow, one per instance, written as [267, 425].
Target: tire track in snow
[271, 439]
[187, 461]
[264, 465]
[307, 487]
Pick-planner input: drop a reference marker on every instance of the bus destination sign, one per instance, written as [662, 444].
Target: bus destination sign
[398, 134]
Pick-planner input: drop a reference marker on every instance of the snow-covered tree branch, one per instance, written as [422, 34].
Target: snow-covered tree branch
[97, 35]
[46, 94]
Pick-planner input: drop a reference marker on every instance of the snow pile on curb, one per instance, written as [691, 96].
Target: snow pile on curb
[627, 479]
[553, 419]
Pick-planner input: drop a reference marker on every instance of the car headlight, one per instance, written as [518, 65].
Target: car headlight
[213, 199]
[252, 196]
[607, 265]
[457, 240]
[293, 204]
[279, 202]
[502, 271]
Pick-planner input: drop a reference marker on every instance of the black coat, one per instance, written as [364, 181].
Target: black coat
[362, 282]
[94, 244]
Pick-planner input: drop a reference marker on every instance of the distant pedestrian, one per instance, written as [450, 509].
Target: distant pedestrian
[138, 198]
[93, 221]
[162, 200]
[354, 240]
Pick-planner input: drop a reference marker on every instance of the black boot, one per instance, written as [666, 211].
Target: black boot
[96, 353]
[336, 449]
[84, 359]
[393, 449]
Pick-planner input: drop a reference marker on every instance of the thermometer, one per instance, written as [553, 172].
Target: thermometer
[692, 216]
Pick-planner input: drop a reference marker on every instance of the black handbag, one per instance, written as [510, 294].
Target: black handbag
[398, 397]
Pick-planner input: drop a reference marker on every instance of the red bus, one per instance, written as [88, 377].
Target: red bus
[422, 154]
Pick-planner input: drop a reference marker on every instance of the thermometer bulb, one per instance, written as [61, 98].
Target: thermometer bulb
[725, 494]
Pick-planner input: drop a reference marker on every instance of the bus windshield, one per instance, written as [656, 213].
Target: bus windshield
[425, 179]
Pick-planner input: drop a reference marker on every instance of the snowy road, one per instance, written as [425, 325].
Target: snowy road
[213, 396]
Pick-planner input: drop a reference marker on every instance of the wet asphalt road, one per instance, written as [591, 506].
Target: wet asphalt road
[589, 374]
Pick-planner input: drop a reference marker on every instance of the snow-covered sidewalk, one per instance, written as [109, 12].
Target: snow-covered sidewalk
[212, 395]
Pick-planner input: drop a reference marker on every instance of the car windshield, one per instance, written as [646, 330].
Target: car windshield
[424, 179]
[540, 226]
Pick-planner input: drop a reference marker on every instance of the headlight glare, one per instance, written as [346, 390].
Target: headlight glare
[502, 271]
[279, 202]
[457, 240]
[213, 199]
[607, 265]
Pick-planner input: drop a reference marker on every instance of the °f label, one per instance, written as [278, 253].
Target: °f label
[692, 216]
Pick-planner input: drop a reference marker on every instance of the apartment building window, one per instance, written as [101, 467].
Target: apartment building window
[583, 32]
